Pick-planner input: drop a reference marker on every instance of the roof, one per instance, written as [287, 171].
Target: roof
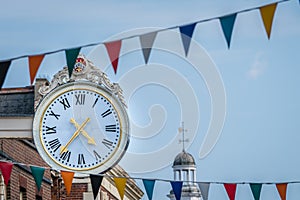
[184, 158]
[16, 102]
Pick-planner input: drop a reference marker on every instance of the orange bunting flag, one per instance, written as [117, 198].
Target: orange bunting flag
[281, 187]
[6, 168]
[120, 184]
[267, 15]
[34, 64]
[68, 179]
[113, 50]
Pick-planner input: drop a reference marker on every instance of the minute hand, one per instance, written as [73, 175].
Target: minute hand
[84, 133]
[64, 148]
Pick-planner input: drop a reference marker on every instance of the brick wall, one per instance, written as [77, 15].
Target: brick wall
[21, 151]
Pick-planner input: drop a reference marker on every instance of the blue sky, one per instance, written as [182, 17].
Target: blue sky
[260, 138]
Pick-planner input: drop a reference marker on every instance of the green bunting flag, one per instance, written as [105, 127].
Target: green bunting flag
[177, 186]
[256, 189]
[3, 71]
[149, 186]
[186, 33]
[38, 174]
[227, 23]
[147, 41]
[71, 56]
[96, 181]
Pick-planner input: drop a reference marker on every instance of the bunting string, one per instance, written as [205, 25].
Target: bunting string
[120, 181]
[113, 47]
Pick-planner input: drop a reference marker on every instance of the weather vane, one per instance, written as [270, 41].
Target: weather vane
[182, 130]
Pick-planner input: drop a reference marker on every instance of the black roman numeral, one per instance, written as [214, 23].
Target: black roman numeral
[54, 115]
[97, 156]
[66, 156]
[95, 103]
[65, 103]
[107, 112]
[54, 144]
[107, 143]
[50, 130]
[80, 99]
[81, 160]
[111, 128]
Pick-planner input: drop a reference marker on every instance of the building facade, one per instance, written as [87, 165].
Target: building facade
[16, 115]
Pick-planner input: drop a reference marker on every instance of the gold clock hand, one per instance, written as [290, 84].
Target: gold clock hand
[64, 148]
[84, 133]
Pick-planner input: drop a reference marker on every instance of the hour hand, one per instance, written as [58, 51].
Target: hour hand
[84, 133]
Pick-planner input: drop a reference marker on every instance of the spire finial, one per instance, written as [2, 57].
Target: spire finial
[182, 130]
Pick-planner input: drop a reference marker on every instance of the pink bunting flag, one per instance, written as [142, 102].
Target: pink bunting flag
[113, 50]
[230, 189]
[6, 168]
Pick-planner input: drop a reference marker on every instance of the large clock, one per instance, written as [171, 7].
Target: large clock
[81, 126]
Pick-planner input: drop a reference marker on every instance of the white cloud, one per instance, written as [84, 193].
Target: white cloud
[258, 67]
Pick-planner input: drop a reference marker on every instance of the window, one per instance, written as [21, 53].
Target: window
[2, 188]
[23, 195]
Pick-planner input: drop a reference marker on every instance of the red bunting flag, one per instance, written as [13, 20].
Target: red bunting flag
[267, 14]
[230, 189]
[34, 63]
[6, 168]
[113, 50]
[68, 179]
[281, 187]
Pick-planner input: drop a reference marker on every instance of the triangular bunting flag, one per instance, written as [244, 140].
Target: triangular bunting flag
[230, 189]
[68, 179]
[120, 184]
[186, 36]
[38, 174]
[96, 181]
[149, 186]
[267, 14]
[281, 187]
[227, 23]
[147, 41]
[34, 64]
[256, 189]
[204, 189]
[113, 50]
[3, 71]
[6, 168]
[71, 56]
[176, 186]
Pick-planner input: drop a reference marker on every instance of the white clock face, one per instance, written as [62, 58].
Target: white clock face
[82, 128]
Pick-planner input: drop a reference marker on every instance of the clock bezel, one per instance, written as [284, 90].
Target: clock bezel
[120, 148]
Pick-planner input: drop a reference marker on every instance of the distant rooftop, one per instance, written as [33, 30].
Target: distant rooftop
[17, 102]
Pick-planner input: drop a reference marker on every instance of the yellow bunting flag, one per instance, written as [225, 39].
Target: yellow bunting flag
[120, 184]
[281, 187]
[68, 178]
[267, 14]
[34, 64]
